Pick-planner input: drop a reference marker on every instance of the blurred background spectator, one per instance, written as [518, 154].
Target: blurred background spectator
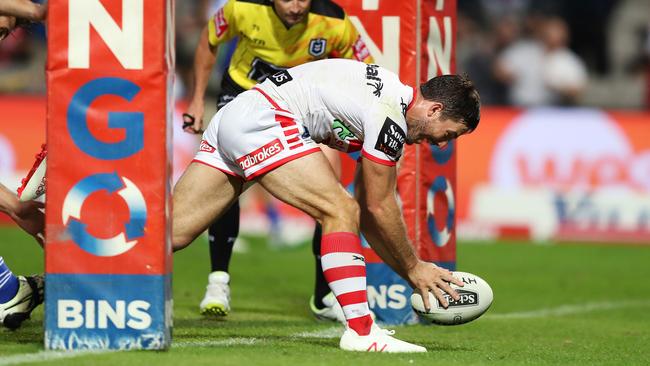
[555, 52]
[541, 70]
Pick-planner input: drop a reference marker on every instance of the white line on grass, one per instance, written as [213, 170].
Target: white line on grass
[221, 342]
[570, 309]
[334, 332]
[44, 356]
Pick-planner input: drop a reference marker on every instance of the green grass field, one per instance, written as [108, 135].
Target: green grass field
[554, 305]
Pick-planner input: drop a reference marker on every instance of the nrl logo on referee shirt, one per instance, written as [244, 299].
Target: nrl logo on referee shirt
[317, 46]
[260, 155]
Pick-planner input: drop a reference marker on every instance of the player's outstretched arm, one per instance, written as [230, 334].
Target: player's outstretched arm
[205, 57]
[8, 201]
[23, 9]
[14, 13]
[27, 215]
[383, 227]
[7, 25]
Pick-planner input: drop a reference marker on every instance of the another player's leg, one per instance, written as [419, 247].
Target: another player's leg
[221, 239]
[308, 183]
[222, 235]
[18, 296]
[201, 196]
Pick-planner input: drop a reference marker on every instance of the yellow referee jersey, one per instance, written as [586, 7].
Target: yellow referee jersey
[266, 46]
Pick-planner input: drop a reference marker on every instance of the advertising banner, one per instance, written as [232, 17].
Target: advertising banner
[563, 174]
[109, 108]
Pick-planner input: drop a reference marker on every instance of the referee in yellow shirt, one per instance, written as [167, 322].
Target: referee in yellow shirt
[273, 35]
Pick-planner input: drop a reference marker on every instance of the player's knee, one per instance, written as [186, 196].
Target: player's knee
[353, 208]
[347, 210]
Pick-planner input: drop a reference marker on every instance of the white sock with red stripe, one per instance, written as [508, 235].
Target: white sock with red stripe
[344, 268]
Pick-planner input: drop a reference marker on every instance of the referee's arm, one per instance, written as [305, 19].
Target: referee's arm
[205, 57]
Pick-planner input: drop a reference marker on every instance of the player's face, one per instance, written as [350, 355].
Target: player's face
[429, 125]
[291, 12]
[442, 131]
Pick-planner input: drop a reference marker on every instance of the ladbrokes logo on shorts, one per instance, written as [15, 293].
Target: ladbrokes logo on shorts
[256, 157]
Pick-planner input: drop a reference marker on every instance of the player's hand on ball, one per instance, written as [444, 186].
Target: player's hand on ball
[475, 299]
[426, 276]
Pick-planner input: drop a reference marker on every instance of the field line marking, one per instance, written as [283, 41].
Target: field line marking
[220, 342]
[41, 356]
[570, 309]
[333, 332]
[44, 356]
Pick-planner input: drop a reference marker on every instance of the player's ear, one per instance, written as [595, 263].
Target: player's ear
[433, 108]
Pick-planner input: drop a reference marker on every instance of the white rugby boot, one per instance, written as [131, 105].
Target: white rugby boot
[216, 301]
[28, 297]
[332, 310]
[379, 340]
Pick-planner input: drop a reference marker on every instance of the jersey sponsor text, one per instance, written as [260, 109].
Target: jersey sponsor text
[260, 155]
[372, 75]
[391, 139]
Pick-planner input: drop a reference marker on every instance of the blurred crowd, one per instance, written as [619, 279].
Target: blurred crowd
[518, 52]
[556, 52]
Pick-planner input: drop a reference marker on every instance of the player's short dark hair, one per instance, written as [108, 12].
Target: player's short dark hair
[458, 96]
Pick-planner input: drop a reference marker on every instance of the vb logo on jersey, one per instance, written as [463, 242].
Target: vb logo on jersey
[317, 47]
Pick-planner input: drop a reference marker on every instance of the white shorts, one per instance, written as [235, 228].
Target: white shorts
[253, 135]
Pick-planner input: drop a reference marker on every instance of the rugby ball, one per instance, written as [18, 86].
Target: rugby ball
[475, 299]
[33, 186]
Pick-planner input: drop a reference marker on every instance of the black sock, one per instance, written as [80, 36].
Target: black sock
[222, 235]
[321, 288]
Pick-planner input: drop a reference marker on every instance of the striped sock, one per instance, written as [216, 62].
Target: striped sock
[344, 268]
[8, 283]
